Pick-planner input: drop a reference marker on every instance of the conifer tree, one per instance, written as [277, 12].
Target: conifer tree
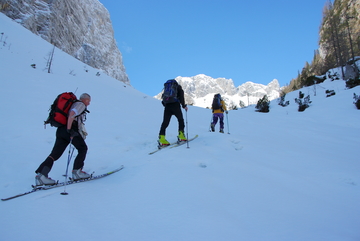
[263, 105]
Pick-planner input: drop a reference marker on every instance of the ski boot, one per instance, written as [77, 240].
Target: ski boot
[79, 174]
[212, 127]
[181, 137]
[41, 180]
[162, 141]
[221, 130]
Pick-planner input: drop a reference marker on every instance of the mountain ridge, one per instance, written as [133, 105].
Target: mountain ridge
[200, 89]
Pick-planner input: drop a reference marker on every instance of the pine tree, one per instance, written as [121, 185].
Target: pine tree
[303, 102]
[282, 101]
[263, 105]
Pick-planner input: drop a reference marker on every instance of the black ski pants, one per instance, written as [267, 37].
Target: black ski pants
[61, 142]
[172, 109]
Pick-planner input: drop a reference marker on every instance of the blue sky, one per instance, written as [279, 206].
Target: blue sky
[244, 41]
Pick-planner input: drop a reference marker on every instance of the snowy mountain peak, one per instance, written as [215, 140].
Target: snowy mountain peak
[200, 89]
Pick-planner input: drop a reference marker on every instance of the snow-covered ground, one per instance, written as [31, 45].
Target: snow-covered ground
[279, 176]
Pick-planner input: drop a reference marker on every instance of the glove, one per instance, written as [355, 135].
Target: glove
[226, 112]
[72, 133]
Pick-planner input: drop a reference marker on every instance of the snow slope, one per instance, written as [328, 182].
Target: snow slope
[281, 176]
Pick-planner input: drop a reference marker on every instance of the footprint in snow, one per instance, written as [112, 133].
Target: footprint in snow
[236, 145]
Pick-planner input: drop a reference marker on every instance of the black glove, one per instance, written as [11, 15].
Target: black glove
[72, 132]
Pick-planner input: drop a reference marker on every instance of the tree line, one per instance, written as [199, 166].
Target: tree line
[339, 41]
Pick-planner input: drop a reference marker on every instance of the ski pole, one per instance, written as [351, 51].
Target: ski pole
[211, 120]
[187, 130]
[67, 166]
[227, 120]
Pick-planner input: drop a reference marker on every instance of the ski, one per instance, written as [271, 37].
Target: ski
[184, 142]
[61, 184]
[162, 147]
[172, 145]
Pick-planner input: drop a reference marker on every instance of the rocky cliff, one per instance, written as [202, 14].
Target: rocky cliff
[81, 28]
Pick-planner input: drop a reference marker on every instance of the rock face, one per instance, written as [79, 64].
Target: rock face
[200, 89]
[81, 28]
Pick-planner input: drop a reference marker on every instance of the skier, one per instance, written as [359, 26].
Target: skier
[218, 108]
[172, 99]
[74, 133]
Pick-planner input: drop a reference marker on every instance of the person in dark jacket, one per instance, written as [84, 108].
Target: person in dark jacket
[171, 109]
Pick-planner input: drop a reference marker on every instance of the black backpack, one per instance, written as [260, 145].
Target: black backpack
[170, 91]
[216, 102]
